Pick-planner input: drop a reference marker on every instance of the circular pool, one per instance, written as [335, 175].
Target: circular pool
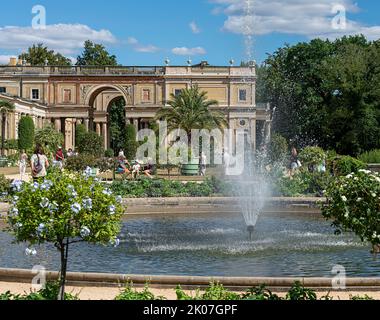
[283, 244]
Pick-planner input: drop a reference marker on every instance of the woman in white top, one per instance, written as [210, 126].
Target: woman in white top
[39, 163]
[23, 161]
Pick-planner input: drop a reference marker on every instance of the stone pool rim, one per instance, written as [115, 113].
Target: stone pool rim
[181, 205]
[164, 281]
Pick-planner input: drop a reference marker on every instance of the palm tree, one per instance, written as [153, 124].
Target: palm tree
[191, 110]
[5, 108]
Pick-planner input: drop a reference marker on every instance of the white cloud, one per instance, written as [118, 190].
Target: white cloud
[137, 46]
[300, 17]
[64, 38]
[194, 27]
[132, 40]
[184, 51]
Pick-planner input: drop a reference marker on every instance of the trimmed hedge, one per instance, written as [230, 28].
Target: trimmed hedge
[25, 133]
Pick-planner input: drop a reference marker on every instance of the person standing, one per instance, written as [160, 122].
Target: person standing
[202, 164]
[23, 161]
[294, 162]
[39, 163]
[59, 157]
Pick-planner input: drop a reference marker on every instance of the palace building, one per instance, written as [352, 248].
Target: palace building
[67, 96]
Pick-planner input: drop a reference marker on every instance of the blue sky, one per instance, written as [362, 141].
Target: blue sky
[146, 32]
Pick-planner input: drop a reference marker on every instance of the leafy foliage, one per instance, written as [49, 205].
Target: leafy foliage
[91, 143]
[167, 188]
[81, 162]
[260, 293]
[312, 156]
[25, 133]
[343, 165]
[5, 108]
[117, 124]
[49, 138]
[353, 202]
[325, 93]
[191, 110]
[130, 146]
[4, 184]
[38, 55]
[109, 153]
[95, 55]
[80, 134]
[372, 156]
[278, 149]
[129, 293]
[63, 210]
[49, 292]
[299, 292]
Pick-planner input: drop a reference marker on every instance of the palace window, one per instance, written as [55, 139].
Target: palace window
[146, 95]
[66, 95]
[242, 95]
[35, 94]
[3, 90]
[177, 92]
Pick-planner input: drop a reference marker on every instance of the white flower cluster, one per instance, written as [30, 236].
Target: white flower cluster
[85, 232]
[16, 185]
[30, 251]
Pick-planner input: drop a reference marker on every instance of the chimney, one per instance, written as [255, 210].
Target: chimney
[13, 62]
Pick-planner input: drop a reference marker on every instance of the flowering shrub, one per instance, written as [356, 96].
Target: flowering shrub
[312, 156]
[353, 202]
[64, 209]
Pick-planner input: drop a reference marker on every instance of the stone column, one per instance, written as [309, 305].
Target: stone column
[87, 124]
[105, 135]
[98, 129]
[74, 123]
[68, 134]
[57, 124]
[136, 124]
[17, 120]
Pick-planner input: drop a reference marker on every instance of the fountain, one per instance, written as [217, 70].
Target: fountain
[251, 187]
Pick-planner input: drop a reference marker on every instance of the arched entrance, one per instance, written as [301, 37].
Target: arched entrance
[100, 99]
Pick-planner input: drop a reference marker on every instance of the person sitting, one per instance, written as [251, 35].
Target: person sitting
[148, 170]
[122, 164]
[136, 169]
[70, 153]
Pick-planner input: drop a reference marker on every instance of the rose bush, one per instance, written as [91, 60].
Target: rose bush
[353, 202]
[62, 210]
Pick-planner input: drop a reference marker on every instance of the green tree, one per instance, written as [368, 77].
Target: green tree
[192, 110]
[5, 108]
[117, 124]
[278, 149]
[38, 55]
[91, 143]
[95, 55]
[49, 138]
[63, 210]
[25, 133]
[80, 132]
[130, 147]
[325, 93]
